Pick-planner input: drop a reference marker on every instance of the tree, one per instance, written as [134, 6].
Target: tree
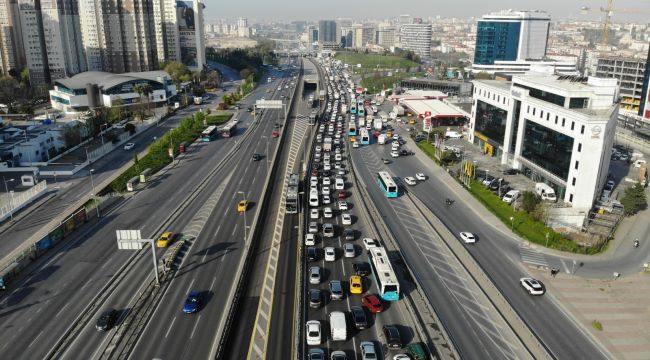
[71, 135]
[245, 73]
[213, 78]
[177, 71]
[198, 91]
[116, 112]
[144, 90]
[634, 199]
[529, 201]
[482, 76]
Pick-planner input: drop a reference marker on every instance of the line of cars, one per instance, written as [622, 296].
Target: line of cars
[335, 235]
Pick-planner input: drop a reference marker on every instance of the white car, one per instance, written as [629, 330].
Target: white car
[328, 213]
[346, 219]
[420, 176]
[369, 243]
[401, 357]
[410, 180]
[310, 239]
[534, 287]
[330, 255]
[129, 146]
[348, 250]
[343, 205]
[327, 166]
[467, 237]
[326, 190]
[313, 332]
[313, 180]
[368, 351]
[326, 199]
[511, 196]
[394, 154]
[314, 275]
[327, 181]
[313, 214]
[355, 144]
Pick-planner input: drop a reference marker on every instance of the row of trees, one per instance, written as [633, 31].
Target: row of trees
[247, 61]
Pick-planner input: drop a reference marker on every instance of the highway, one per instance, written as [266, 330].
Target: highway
[66, 280]
[497, 254]
[341, 269]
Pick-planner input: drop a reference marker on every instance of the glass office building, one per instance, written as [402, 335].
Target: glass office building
[491, 121]
[547, 148]
[496, 40]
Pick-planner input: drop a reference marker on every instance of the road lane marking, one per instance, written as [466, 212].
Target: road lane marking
[204, 255]
[190, 287]
[170, 327]
[36, 338]
[195, 326]
[212, 284]
[60, 311]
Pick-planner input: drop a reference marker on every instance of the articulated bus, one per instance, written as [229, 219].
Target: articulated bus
[353, 109]
[228, 130]
[387, 184]
[352, 129]
[365, 138]
[384, 275]
[209, 133]
[291, 199]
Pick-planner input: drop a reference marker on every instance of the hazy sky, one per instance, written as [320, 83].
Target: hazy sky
[379, 9]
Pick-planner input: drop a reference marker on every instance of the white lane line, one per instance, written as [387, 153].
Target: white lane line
[170, 327]
[234, 230]
[60, 311]
[36, 338]
[566, 268]
[190, 287]
[212, 284]
[217, 231]
[204, 255]
[195, 326]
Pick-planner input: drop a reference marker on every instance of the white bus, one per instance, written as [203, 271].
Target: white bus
[384, 275]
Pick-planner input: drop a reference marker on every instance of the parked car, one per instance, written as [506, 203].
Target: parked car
[511, 196]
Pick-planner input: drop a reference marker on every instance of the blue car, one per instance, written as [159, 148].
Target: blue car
[192, 302]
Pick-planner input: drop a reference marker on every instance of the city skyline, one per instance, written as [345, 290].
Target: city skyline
[381, 9]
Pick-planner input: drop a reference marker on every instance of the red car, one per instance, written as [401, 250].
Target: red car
[341, 194]
[275, 134]
[373, 303]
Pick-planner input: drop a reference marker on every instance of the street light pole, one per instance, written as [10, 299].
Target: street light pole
[11, 204]
[171, 144]
[92, 183]
[512, 223]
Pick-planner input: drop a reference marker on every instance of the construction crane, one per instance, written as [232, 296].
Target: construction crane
[608, 12]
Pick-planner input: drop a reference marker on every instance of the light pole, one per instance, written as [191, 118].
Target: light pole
[101, 133]
[547, 239]
[11, 204]
[92, 183]
[243, 195]
[171, 144]
[512, 223]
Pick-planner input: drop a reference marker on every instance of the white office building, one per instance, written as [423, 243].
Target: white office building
[417, 38]
[555, 129]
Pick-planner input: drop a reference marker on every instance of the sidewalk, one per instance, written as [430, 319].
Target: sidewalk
[621, 306]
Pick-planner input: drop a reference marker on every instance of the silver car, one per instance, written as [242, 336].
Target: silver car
[314, 275]
[348, 250]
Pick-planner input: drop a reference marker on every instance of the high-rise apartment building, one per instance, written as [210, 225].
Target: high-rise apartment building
[362, 35]
[417, 38]
[630, 75]
[386, 36]
[12, 54]
[328, 35]
[63, 42]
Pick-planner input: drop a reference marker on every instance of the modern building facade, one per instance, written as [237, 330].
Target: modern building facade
[630, 74]
[644, 109]
[555, 129]
[328, 35]
[94, 89]
[386, 36]
[12, 55]
[362, 35]
[417, 38]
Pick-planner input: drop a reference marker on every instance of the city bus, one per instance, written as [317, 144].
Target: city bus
[365, 138]
[353, 109]
[383, 273]
[313, 117]
[228, 130]
[387, 184]
[361, 111]
[352, 129]
[291, 199]
[209, 133]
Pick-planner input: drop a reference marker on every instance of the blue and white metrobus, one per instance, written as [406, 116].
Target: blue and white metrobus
[364, 137]
[353, 109]
[387, 184]
[352, 129]
[384, 274]
[209, 133]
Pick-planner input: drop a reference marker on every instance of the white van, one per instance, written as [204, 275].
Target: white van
[313, 197]
[339, 185]
[338, 326]
[511, 196]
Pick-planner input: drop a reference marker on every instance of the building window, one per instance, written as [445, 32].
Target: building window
[548, 116]
[534, 111]
[573, 124]
[491, 121]
[579, 147]
[571, 198]
[582, 129]
[541, 114]
[577, 164]
[563, 122]
[547, 148]
[578, 103]
[573, 182]
[528, 109]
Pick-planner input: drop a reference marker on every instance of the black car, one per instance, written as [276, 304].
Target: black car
[348, 234]
[359, 317]
[497, 183]
[511, 172]
[315, 298]
[405, 152]
[250, 109]
[257, 157]
[393, 339]
[361, 268]
[106, 320]
[311, 253]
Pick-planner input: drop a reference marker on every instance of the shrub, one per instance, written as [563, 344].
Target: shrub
[529, 201]
[634, 199]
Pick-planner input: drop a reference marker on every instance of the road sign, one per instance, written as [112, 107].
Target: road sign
[268, 104]
[129, 239]
[426, 125]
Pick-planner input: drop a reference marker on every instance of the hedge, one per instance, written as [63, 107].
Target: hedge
[218, 119]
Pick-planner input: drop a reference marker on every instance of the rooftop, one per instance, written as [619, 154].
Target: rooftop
[436, 108]
[107, 79]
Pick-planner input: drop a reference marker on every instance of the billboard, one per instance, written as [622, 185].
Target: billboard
[185, 15]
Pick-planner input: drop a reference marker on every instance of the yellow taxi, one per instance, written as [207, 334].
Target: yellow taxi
[242, 206]
[411, 120]
[165, 239]
[355, 285]
[389, 134]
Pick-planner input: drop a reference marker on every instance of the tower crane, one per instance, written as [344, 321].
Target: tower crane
[608, 11]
